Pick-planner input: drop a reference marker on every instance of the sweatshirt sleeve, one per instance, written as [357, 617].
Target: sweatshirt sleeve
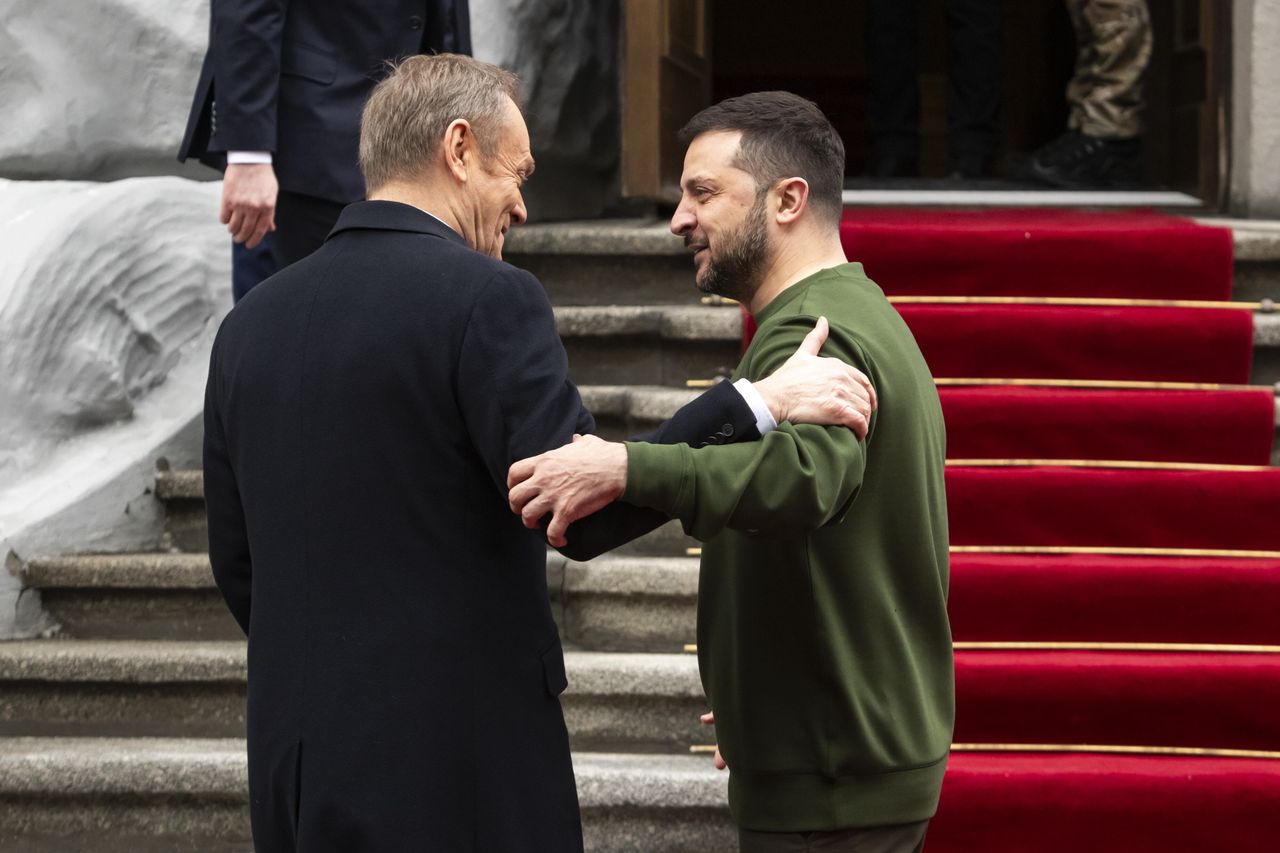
[796, 479]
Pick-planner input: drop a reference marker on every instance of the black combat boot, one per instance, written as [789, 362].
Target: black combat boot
[1079, 162]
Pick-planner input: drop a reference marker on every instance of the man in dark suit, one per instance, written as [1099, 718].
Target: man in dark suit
[279, 99]
[363, 408]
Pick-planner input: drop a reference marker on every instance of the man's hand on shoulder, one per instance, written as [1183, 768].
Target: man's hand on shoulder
[570, 483]
[249, 201]
[811, 389]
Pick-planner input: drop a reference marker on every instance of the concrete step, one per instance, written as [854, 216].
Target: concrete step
[150, 794]
[593, 263]
[649, 344]
[627, 603]
[122, 688]
[165, 596]
[135, 688]
[624, 411]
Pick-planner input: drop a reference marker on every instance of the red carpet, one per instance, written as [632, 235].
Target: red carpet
[1223, 427]
[1086, 598]
[1072, 802]
[1051, 342]
[1115, 508]
[1039, 253]
[1207, 700]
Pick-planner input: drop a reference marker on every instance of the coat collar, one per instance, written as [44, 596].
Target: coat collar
[392, 216]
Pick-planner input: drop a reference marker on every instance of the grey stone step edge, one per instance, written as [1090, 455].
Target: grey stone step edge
[1254, 240]
[164, 767]
[636, 403]
[675, 577]
[673, 676]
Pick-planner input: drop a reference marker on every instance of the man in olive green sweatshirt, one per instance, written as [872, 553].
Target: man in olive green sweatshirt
[823, 638]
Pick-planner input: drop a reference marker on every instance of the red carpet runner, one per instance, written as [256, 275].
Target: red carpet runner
[1039, 253]
[1124, 607]
[986, 422]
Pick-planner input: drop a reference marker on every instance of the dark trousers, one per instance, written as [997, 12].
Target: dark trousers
[906, 838]
[302, 223]
[250, 266]
[973, 78]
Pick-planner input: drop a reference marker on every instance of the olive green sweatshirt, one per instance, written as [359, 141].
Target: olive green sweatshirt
[823, 638]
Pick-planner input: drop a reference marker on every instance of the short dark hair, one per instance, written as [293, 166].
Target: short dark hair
[783, 136]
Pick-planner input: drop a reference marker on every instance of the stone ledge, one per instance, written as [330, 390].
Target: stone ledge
[159, 662]
[88, 767]
[123, 661]
[180, 486]
[1254, 239]
[120, 571]
[670, 322]
[642, 402]
[595, 237]
[218, 768]
[632, 674]
[673, 577]
[1266, 330]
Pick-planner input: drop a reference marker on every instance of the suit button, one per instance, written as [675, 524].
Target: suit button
[415, 23]
[727, 430]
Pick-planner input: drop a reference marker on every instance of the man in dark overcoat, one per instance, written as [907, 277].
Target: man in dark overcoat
[363, 408]
[278, 104]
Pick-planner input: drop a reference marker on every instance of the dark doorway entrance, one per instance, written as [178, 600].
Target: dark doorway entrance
[682, 54]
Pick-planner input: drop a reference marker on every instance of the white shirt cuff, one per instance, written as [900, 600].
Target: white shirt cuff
[764, 418]
[239, 157]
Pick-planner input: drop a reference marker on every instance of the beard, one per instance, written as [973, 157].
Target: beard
[735, 268]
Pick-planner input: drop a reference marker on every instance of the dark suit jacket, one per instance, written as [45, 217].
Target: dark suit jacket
[292, 76]
[362, 409]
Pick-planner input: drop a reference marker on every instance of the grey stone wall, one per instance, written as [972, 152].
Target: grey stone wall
[98, 90]
[566, 54]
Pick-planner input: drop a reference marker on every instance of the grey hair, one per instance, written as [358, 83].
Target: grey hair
[408, 112]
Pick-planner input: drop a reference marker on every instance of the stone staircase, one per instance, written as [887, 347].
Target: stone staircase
[125, 730]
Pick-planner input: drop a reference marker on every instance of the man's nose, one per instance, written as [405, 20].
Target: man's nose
[519, 214]
[682, 220]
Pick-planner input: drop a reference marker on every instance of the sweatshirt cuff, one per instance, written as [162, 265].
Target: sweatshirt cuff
[659, 476]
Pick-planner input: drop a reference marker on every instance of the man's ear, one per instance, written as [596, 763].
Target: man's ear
[793, 199]
[459, 148]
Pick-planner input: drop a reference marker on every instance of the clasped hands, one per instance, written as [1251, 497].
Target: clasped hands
[573, 481]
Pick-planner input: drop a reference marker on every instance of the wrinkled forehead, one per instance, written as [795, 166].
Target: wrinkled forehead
[514, 142]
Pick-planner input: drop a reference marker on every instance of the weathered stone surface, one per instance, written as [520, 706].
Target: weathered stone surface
[630, 603]
[120, 791]
[109, 298]
[134, 662]
[637, 237]
[672, 322]
[566, 56]
[98, 90]
[120, 571]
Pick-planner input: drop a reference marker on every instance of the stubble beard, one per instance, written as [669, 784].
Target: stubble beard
[739, 263]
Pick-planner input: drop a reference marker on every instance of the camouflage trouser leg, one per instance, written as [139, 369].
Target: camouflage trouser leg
[1113, 48]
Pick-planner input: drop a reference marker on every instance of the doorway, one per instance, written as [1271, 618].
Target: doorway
[701, 51]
